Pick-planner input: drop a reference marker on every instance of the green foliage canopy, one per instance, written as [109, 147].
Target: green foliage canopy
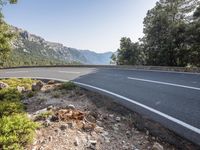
[6, 35]
[129, 53]
[171, 36]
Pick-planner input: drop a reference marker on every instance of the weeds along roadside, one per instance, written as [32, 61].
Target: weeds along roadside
[16, 128]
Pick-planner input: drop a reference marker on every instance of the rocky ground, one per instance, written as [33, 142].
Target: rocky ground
[81, 120]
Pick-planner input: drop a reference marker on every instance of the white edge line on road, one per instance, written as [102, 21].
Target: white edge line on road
[165, 83]
[188, 126]
[161, 71]
[72, 72]
[10, 72]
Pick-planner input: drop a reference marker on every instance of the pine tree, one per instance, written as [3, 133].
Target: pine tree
[193, 39]
[164, 27]
[5, 35]
[129, 53]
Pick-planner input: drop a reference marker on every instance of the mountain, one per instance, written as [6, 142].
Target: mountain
[96, 58]
[30, 49]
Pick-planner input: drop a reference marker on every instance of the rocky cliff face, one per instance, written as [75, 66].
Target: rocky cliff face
[33, 50]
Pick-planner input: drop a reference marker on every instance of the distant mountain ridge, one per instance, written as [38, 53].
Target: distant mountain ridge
[97, 58]
[30, 49]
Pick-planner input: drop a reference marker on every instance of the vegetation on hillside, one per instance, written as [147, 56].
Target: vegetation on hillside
[9, 56]
[24, 82]
[68, 86]
[19, 58]
[32, 53]
[171, 36]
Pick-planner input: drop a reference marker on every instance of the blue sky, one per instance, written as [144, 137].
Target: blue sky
[96, 25]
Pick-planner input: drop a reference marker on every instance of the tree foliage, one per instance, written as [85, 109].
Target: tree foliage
[193, 39]
[165, 29]
[129, 52]
[171, 36]
[5, 34]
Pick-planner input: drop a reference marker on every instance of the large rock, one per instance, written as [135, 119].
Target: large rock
[118, 119]
[21, 89]
[37, 86]
[51, 82]
[76, 142]
[157, 146]
[3, 85]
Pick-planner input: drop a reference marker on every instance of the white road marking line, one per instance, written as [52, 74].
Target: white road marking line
[72, 72]
[165, 83]
[161, 71]
[188, 126]
[11, 72]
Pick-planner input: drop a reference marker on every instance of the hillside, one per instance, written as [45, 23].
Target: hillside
[30, 49]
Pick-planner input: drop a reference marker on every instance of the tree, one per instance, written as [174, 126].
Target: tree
[196, 14]
[165, 29]
[193, 39]
[113, 59]
[124, 52]
[3, 2]
[129, 53]
[5, 35]
[171, 36]
[156, 30]
[13, 1]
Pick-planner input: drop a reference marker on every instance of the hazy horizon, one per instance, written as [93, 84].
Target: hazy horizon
[81, 24]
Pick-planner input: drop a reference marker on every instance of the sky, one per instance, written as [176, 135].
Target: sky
[96, 25]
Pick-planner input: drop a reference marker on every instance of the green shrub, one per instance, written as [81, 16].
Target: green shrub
[8, 108]
[10, 94]
[44, 115]
[24, 82]
[16, 131]
[31, 94]
[56, 94]
[68, 86]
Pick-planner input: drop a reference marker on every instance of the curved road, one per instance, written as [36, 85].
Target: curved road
[171, 98]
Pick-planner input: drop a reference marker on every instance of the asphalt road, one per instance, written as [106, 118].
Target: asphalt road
[170, 98]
